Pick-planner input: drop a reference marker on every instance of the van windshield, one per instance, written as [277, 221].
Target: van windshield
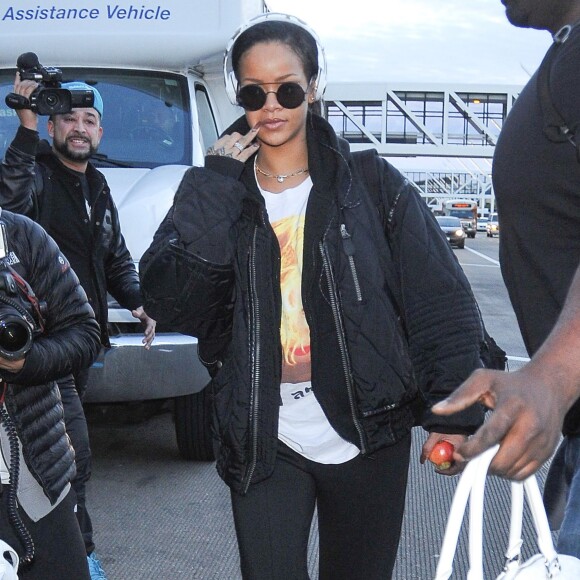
[146, 119]
[462, 213]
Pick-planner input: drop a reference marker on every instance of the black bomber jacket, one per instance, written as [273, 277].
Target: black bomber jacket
[375, 370]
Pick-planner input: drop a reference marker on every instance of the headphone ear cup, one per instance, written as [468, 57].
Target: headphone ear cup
[320, 84]
[231, 85]
[320, 80]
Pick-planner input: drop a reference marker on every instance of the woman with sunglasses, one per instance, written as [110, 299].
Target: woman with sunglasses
[313, 385]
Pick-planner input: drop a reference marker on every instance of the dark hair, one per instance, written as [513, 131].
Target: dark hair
[299, 40]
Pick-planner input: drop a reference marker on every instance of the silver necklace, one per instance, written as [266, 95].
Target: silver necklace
[280, 178]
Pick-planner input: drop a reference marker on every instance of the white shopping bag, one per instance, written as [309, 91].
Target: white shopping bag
[546, 564]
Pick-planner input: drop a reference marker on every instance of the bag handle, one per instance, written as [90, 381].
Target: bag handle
[472, 486]
[8, 570]
[455, 518]
[515, 541]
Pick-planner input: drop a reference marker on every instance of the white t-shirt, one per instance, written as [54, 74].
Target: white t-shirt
[302, 426]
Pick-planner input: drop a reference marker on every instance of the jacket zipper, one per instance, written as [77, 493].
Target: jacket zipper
[342, 343]
[255, 353]
[348, 246]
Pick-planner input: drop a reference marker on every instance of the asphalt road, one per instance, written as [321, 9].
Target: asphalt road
[158, 516]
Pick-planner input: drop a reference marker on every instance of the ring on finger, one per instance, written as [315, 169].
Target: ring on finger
[239, 146]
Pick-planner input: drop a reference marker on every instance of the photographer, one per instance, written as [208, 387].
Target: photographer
[60, 189]
[36, 460]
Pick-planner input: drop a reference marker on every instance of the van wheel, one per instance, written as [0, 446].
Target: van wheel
[193, 426]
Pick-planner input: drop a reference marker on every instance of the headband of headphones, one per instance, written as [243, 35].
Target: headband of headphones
[229, 75]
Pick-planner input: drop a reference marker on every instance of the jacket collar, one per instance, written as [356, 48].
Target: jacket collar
[49, 159]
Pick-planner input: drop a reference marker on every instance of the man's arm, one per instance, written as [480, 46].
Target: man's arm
[120, 270]
[530, 403]
[123, 280]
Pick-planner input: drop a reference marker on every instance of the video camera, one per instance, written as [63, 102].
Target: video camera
[49, 98]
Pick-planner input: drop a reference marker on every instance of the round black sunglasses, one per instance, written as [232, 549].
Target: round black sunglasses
[253, 97]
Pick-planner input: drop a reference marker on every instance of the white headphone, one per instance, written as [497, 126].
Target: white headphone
[229, 75]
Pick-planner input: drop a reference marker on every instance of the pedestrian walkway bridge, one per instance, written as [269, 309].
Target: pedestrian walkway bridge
[458, 123]
[420, 119]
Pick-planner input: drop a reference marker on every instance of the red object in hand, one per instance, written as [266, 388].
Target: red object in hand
[442, 454]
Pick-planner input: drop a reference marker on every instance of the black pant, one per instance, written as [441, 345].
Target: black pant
[360, 507]
[59, 549]
[71, 392]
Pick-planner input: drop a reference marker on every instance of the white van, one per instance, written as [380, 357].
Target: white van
[158, 68]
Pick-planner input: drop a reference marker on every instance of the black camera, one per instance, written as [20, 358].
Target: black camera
[49, 98]
[17, 326]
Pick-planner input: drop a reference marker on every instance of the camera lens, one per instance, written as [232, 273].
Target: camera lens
[52, 100]
[15, 336]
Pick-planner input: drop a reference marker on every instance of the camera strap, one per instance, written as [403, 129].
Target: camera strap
[29, 295]
[22, 284]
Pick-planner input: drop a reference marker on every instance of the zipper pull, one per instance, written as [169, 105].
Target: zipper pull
[346, 240]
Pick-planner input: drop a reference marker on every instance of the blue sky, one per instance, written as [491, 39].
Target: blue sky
[421, 40]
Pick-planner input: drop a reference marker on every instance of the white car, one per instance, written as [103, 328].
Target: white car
[492, 227]
[481, 224]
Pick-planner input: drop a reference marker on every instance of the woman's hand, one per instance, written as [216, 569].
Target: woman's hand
[236, 146]
[434, 438]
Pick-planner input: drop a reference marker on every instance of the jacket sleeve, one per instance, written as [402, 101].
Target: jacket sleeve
[187, 274]
[122, 277]
[71, 338]
[17, 174]
[441, 317]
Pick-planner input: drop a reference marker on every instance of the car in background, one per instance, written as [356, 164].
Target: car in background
[482, 224]
[492, 226]
[453, 230]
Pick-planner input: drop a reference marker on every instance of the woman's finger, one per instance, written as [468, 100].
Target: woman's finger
[237, 146]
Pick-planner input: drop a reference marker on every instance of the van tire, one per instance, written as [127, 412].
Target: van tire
[193, 426]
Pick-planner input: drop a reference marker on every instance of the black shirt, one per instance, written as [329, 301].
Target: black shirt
[537, 186]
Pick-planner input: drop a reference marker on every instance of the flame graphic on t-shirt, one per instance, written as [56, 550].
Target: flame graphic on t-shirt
[294, 331]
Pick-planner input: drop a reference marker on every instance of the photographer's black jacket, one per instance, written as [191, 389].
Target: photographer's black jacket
[365, 377]
[35, 183]
[70, 342]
